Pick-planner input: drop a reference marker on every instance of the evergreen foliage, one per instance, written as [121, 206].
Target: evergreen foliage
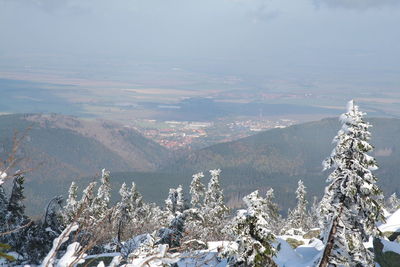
[349, 212]
[130, 210]
[101, 201]
[298, 217]
[253, 236]
[352, 204]
[175, 202]
[313, 219]
[275, 219]
[197, 190]
[214, 211]
[71, 206]
[16, 209]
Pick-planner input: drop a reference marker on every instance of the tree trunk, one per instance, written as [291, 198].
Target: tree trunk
[330, 241]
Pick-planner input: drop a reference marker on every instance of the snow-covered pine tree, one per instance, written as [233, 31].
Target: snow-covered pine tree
[314, 217]
[195, 216]
[16, 208]
[253, 236]
[214, 196]
[175, 202]
[352, 203]
[71, 205]
[197, 190]
[53, 219]
[271, 208]
[298, 217]
[176, 216]
[15, 218]
[130, 210]
[39, 236]
[214, 211]
[121, 215]
[101, 201]
[393, 203]
[136, 200]
[83, 213]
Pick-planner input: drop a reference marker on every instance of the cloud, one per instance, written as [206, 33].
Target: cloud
[53, 6]
[356, 4]
[263, 14]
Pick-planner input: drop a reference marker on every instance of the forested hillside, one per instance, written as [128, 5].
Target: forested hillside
[58, 149]
[352, 225]
[62, 149]
[278, 158]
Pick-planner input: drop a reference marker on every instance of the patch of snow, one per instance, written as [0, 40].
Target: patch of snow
[57, 242]
[201, 258]
[70, 255]
[214, 246]
[390, 246]
[302, 256]
[392, 223]
[112, 254]
[3, 176]
[158, 259]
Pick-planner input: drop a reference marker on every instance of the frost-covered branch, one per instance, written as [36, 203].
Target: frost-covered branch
[51, 256]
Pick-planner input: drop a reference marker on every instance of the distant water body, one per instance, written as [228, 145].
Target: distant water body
[18, 96]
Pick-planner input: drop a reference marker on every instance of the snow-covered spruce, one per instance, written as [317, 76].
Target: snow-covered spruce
[253, 237]
[100, 203]
[298, 217]
[275, 222]
[208, 215]
[197, 190]
[71, 207]
[352, 204]
[128, 210]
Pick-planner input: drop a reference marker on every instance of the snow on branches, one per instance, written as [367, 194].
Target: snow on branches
[352, 203]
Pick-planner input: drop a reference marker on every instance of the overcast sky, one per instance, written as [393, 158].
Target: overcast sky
[242, 35]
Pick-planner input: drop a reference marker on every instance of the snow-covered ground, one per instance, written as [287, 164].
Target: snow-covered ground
[303, 256]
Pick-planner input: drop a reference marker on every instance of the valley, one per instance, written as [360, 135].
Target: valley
[61, 149]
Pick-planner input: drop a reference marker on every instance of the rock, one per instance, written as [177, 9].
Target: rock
[294, 243]
[313, 233]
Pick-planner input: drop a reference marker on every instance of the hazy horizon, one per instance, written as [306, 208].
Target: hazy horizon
[334, 50]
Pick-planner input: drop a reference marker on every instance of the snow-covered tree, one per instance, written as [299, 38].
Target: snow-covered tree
[101, 201]
[214, 196]
[298, 217]
[79, 210]
[197, 190]
[314, 217]
[71, 205]
[136, 199]
[271, 208]
[173, 234]
[14, 218]
[352, 203]
[175, 202]
[214, 211]
[39, 236]
[393, 203]
[52, 218]
[253, 236]
[16, 208]
[130, 210]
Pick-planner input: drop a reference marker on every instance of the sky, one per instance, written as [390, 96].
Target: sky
[260, 37]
